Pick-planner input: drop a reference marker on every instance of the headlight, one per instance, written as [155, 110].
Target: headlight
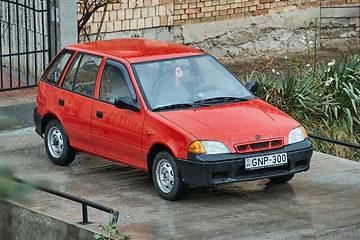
[208, 147]
[297, 135]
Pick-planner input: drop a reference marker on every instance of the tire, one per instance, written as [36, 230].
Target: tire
[166, 177]
[282, 179]
[57, 144]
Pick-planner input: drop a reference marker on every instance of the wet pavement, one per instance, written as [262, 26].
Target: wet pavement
[15, 97]
[16, 108]
[323, 203]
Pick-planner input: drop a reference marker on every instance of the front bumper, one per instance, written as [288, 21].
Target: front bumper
[210, 170]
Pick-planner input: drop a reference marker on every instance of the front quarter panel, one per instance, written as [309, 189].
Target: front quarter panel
[159, 130]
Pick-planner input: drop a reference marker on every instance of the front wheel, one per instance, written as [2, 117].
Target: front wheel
[166, 177]
[282, 179]
[57, 144]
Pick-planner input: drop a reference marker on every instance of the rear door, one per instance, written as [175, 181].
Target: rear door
[117, 132]
[74, 100]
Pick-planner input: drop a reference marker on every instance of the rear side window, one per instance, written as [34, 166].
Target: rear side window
[55, 70]
[82, 74]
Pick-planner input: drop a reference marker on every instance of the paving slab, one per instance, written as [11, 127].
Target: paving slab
[322, 203]
[20, 96]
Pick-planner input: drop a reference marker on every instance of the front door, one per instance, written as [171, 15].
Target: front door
[117, 132]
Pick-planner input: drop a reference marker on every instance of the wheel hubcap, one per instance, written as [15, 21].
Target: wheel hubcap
[55, 142]
[165, 176]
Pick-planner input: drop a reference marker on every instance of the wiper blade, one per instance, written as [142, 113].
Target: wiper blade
[220, 100]
[174, 106]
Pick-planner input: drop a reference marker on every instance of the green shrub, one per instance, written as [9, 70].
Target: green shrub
[325, 99]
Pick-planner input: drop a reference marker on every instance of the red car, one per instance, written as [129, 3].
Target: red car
[167, 109]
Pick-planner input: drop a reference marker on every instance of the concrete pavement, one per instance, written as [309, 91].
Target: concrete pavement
[16, 108]
[322, 203]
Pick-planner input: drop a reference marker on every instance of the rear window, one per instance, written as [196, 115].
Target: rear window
[55, 70]
[82, 74]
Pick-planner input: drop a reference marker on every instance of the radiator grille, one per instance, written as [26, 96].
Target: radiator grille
[260, 146]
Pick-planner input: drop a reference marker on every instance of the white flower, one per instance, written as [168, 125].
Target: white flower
[285, 57]
[273, 70]
[331, 63]
[327, 69]
[277, 73]
[307, 65]
[311, 43]
[303, 39]
[328, 82]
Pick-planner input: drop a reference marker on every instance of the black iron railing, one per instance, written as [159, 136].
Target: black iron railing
[346, 144]
[84, 203]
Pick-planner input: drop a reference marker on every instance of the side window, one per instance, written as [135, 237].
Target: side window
[82, 74]
[53, 73]
[113, 83]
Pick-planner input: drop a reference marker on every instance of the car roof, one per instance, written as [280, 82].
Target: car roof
[137, 49]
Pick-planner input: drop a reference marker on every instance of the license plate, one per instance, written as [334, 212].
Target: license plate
[266, 161]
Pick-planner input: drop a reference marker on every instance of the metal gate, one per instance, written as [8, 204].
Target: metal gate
[27, 45]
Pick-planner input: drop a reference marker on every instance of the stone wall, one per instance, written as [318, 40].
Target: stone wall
[272, 34]
[143, 14]
[20, 223]
[226, 27]
[231, 27]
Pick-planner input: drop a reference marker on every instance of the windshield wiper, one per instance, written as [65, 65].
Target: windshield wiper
[220, 100]
[174, 106]
[201, 103]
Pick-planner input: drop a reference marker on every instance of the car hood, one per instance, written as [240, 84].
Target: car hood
[234, 123]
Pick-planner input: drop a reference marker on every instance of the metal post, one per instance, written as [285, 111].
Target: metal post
[18, 42]
[115, 217]
[1, 42]
[27, 43]
[10, 45]
[48, 8]
[85, 214]
[35, 43]
[43, 37]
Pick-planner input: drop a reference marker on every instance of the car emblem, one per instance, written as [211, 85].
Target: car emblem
[257, 137]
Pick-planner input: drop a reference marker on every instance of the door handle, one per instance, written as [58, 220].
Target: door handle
[61, 102]
[99, 114]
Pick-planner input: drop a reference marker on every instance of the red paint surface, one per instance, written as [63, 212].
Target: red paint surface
[127, 136]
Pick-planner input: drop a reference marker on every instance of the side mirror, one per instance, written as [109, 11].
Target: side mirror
[252, 86]
[126, 103]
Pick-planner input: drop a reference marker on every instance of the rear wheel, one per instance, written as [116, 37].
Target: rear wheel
[166, 177]
[282, 179]
[57, 144]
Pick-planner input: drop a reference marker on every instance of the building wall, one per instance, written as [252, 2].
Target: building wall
[132, 15]
[222, 27]
[197, 11]
[140, 14]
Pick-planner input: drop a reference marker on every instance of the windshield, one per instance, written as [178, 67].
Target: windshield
[188, 82]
